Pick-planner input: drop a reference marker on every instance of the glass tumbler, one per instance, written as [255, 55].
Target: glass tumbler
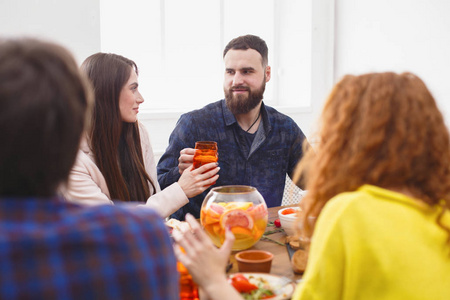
[206, 153]
[188, 288]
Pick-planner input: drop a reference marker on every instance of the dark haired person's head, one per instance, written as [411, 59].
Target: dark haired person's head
[108, 74]
[246, 73]
[43, 105]
[249, 41]
[114, 134]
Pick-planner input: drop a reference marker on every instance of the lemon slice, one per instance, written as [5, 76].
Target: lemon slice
[238, 205]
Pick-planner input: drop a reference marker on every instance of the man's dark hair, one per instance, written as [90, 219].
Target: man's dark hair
[43, 105]
[249, 42]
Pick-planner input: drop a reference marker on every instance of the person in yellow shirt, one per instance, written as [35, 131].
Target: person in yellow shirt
[379, 184]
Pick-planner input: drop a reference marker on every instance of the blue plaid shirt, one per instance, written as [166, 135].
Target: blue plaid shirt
[51, 249]
[276, 149]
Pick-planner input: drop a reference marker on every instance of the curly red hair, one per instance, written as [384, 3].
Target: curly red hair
[383, 129]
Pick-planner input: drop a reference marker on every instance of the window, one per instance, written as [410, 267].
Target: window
[178, 47]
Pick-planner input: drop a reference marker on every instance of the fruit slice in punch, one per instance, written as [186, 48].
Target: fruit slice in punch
[236, 217]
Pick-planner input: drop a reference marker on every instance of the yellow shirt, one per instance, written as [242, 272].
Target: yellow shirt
[377, 244]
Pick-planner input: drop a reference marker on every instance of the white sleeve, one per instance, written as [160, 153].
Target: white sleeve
[171, 198]
[86, 184]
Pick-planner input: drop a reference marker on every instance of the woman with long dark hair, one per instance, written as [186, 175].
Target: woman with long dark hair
[116, 160]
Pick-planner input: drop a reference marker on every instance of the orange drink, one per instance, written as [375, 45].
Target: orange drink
[188, 288]
[206, 153]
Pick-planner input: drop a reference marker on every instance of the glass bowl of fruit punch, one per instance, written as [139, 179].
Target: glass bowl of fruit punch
[239, 207]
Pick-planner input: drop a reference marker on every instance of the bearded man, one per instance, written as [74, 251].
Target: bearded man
[257, 144]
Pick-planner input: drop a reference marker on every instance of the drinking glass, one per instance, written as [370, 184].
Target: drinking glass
[188, 288]
[206, 152]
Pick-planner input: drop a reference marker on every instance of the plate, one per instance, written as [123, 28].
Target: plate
[283, 289]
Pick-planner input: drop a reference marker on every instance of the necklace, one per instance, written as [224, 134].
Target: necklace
[255, 121]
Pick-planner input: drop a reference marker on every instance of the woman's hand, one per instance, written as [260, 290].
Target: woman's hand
[194, 182]
[205, 262]
[186, 159]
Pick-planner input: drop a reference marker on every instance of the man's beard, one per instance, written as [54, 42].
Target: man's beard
[242, 104]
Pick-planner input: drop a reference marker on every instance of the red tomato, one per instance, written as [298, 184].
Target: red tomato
[288, 211]
[241, 284]
[277, 223]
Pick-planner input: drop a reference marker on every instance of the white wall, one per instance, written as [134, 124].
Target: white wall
[83, 26]
[73, 24]
[348, 36]
[179, 53]
[319, 65]
[400, 35]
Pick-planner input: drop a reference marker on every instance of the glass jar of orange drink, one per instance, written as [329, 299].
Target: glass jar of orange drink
[206, 152]
[188, 288]
[239, 207]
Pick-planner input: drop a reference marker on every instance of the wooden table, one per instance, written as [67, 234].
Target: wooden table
[281, 264]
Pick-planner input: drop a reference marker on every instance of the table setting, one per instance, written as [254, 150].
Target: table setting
[262, 252]
[264, 249]
[264, 262]
[275, 241]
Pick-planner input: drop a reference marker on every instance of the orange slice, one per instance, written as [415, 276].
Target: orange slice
[241, 232]
[211, 214]
[236, 217]
[217, 229]
[210, 220]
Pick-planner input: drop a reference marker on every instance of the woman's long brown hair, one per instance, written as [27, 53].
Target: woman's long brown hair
[116, 144]
[383, 129]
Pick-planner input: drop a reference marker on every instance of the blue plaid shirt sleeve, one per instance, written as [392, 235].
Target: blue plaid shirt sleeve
[58, 250]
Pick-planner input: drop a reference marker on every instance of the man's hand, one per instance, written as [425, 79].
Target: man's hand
[186, 159]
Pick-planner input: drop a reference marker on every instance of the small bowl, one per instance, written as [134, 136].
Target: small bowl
[288, 221]
[254, 261]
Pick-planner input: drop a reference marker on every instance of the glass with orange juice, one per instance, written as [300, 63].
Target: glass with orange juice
[239, 207]
[206, 152]
[188, 288]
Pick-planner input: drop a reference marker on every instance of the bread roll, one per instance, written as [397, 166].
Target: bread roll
[296, 243]
[299, 260]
